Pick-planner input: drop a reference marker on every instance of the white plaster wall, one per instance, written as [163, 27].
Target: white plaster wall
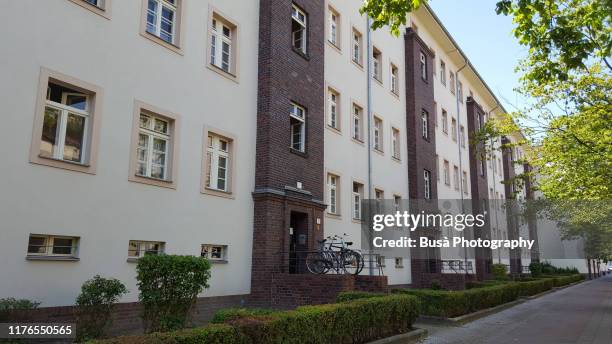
[105, 210]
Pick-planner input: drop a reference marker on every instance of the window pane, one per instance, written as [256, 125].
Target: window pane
[142, 154]
[133, 249]
[225, 56]
[62, 246]
[145, 121]
[75, 131]
[48, 143]
[216, 252]
[37, 245]
[161, 126]
[152, 17]
[167, 23]
[77, 101]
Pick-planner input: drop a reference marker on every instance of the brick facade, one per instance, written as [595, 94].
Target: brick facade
[479, 186]
[511, 221]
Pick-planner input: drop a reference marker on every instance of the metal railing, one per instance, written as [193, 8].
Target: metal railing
[457, 267]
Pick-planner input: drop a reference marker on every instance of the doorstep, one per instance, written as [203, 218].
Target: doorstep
[403, 338]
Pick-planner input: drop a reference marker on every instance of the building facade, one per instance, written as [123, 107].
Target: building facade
[243, 132]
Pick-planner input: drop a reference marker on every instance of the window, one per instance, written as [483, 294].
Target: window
[394, 79]
[462, 136]
[334, 28]
[218, 162]
[380, 261]
[377, 64]
[427, 184]
[443, 72]
[154, 148]
[456, 177]
[332, 187]
[454, 129]
[399, 262]
[138, 249]
[41, 245]
[66, 126]
[446, 173]
[357, 196]
[435, 114]
[395, 143]
[423, 64]
[299, 29]
[101, 7]
[357, 47]
[397, 202]
[162, 19]
[357, 123]
[465, 183]
[298, 127]
[378, 134]
[333, 115]
[425, 124]
[214, 253]
[451, 79]
[379, 194]
[222, 44]
[460, 90]
[437, 167]
[444, 121]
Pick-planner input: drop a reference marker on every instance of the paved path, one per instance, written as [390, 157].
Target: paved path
[578, 314]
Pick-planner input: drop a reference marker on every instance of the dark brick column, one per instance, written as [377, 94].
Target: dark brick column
[531, 216]
[421, 151]
[479, 186]
[285, 76]
[511, 209]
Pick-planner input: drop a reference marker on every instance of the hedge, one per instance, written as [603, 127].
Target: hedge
[357, 321]
[347, 296]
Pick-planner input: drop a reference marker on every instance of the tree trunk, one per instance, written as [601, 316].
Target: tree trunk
[589, 267]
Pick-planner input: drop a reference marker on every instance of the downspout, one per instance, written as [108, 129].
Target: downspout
[369, 122]
[495, 186]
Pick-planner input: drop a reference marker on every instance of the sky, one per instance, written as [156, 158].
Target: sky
[486, 38]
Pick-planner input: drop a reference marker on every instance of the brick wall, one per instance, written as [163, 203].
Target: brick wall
[511, 221]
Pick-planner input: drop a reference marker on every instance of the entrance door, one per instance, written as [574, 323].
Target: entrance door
[298, 242]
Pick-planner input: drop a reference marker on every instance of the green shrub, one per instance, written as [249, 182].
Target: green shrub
[356, 295]
[560, 281]
[169, 286]
[95, 304]
[228, 314]
[8, 306]
[535, 287]
[499, 272]
[357, 321]
[536, 269]
[435, 285]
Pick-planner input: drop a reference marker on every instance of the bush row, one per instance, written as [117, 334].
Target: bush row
[356, 321]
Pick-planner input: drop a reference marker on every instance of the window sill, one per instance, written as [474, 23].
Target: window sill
[376, 150]
[335, 130]
[357, 64]
[378, 81]
[218, 261]
[302, 54]
[358, 141]
[103, 12]
[399, 266]
[217, 193]
[333, 216]
[164, 183]
[170, 46]
[335, 47]
[53, 258]
[298, 152]
[396, 159]
[395, 94]
[63, 164]
[228, 75]
[354, 220]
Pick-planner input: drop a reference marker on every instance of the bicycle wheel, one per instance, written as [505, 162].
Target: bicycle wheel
[352, 262]
[317, 263]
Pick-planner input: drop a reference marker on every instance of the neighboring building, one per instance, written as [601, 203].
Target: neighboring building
[201, 128]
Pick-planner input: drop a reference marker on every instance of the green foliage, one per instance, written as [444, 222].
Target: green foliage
[536, 269]
[389, 12]
[95, 304]
[357, 321]
[499, 272]
[356, 295]
[9, 305]
[169, 286]
[225, 315]
[435, 285]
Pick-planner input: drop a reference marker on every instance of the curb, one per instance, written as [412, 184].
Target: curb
[408, 337]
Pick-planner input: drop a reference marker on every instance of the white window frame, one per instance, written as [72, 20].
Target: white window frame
[206, 251]
[462, 136]
[446, 167]
[465, 182]
[333, 182]
[423, 65]
[378, 134]
[357, 123]
[399, 262]
[49, 245]
[142, 248]
[460, 90]
[157, 31]
[443, 73]
[427, 184]
[334, 27]
[151, 135]
[394, 79]
[356, 47]
[214, 155]
[300, 17]
[377, 64]
[333, 101]
[444, 121]
[454, 129]
[425, 124]
[456, 177]
[295, 115]
[356, 197]
[218, 41]
[396, 144]
[60, 134]
[451, 81]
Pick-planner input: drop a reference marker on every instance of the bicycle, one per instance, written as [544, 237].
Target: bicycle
[335, 255]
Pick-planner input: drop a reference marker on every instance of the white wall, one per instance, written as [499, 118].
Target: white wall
[105, 210]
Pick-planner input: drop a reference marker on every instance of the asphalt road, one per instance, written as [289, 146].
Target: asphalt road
[578, 314]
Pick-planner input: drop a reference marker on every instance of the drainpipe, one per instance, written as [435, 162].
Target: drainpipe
[369, 122]
[494, 164]
[457, 100]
